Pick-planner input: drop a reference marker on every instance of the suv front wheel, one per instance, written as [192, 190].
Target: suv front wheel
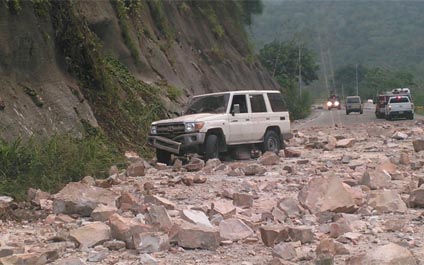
[163, 156]
[272, 142]
[211, 147]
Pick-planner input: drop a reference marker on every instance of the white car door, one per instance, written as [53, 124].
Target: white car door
[239, 120]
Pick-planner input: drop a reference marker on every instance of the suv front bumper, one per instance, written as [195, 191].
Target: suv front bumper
[179, 144]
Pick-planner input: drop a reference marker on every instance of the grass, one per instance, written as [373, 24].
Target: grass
[48, 164]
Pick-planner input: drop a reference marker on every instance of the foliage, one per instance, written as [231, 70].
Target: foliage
[210, 13]
[173, 93]
[41, 8]
[159, 17]
[282, 61]
[48, 164]
[371, 81]
[122, 8]
[249, 8]
[14, 6]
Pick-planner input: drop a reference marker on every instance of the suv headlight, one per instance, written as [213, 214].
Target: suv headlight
[153, 129]
[336, 103]
[193, 126]
[329, 103]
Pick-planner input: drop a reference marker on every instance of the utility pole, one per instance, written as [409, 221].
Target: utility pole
[300, 74]
[357, 88]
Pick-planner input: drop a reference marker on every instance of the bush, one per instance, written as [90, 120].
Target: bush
[48, 164]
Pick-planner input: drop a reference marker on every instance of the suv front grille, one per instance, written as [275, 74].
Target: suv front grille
[170, 129]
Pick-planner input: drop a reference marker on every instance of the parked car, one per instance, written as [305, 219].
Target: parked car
[213, 123]
[333, 102]
[383, 99]
[353, 104]
[399, 106]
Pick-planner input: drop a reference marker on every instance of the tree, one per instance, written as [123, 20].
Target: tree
[284, 60]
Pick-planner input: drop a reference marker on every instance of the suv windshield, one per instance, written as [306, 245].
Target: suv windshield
[399, 100]
[208, 104]
[352, 100]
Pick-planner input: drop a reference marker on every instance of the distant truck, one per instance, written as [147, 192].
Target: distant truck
[399, 106]
[383, 99]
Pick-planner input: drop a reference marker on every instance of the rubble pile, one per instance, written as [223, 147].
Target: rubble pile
[333, 196]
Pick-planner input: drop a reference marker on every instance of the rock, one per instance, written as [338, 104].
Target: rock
[188, 180]
[387, 201]
[69, 261]
[272, 235]
[234, 229]
[301, 233]
[158, 217]
[198, 236]
[326, 194]
[136, 169]
[5, 201]
[128, 202]
[345, 143]
[376, 179]
[125, 228]
[418, 145]
[339, 228]
[253, 170]
[82, 199]
[97, 255]
[196, 217]
[89, 180]
[269, 158]
[290, 206]
[114, 245]
[103, 212]
[399, 136]
[178, 165]
[213, 163]
[146, 259]
[91, 235]
[242, 200]
[404, 159]
[416, 198]
[284, 251]
[386, 166]
[199, 179]
[224, 208]
[324, 260]
[153, 199]
[9, 251]
[332, 247]
[195, 164]
[291, 153]
[151, 242]
[37, 197]
[390, 254]
[33, 258]
[279, 215]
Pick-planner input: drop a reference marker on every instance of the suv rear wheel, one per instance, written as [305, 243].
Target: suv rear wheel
[272, 142]
[211, 147]
[163, 156]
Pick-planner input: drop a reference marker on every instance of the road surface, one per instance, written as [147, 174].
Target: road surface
[334, 117]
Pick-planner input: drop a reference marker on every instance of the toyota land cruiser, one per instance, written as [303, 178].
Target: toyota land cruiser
[212, 123]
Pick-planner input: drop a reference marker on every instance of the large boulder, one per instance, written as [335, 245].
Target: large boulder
[234, 229]
[416, 198]
[376, 179]
[418, 145]
[91, 234]
[390, 254]
[125, 229]
[327, 194]
[82, 199]
[387, 201]
[198, 236]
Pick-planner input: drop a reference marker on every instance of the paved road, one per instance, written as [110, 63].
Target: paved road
[331, 118]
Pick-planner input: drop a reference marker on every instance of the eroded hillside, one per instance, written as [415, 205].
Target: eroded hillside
[75, 66]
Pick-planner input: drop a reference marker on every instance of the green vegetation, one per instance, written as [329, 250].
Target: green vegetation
[122, 9]
[14, 6]
[159, 17]
[282, 61]
[49, 164]
[173, 93]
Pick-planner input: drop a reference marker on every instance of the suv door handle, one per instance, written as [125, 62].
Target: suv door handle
[282, 118]
[247, 119]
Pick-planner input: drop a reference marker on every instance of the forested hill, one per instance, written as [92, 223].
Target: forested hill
[386, 34]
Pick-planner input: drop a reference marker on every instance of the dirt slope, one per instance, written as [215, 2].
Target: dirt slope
[164, 44]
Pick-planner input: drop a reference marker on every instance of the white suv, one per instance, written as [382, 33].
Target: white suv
[212, 123]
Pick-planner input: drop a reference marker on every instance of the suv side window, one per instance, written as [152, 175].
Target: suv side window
[241, 101]
[277, 102]
[258, 103]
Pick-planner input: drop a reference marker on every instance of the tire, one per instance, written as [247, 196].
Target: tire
[389, 117]
[361, 112]
[347, 112]
[272, 142]
[163, 156]
[411, 116]
[211, 147]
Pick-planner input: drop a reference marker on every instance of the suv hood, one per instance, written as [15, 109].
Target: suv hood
[192, 118]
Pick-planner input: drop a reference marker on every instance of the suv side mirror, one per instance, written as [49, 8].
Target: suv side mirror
[236, 109]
